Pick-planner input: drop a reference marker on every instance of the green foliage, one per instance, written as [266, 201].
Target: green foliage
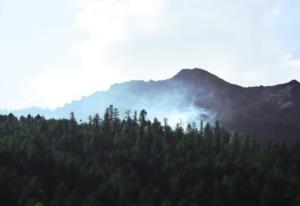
[134, 161]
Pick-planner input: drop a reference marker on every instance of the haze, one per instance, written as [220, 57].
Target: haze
[52, 52]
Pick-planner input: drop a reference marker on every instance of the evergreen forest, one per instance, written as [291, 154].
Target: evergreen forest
[134, 161]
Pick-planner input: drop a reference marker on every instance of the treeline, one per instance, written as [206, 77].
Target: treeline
[133, 161]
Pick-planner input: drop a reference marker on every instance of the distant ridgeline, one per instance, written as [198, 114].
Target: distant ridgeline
[133, 161]
[267, 113]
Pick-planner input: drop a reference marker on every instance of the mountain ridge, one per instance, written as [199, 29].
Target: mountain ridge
[265, 112]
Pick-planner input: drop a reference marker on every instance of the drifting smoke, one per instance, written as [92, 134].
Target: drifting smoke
[174, 107]
[163, 99]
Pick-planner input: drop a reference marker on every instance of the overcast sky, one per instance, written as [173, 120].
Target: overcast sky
[52, 52]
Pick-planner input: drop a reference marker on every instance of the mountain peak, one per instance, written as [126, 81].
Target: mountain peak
[194, 71]
[192, 74]
[199, 75]
[293, 82]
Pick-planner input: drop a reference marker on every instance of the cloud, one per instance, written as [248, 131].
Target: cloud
[293, 62]
[110, 22]
[106, 23]
[239, 41]
[236, 40]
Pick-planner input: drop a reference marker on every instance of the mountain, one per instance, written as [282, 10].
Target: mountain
[265, 112]
[268, 113]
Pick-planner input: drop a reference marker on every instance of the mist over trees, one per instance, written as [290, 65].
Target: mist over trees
[130, 161]
[267, 113]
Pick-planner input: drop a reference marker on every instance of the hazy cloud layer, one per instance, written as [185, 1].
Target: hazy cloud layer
[100, 42]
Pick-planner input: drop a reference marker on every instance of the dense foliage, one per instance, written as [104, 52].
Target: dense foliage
[134, 161]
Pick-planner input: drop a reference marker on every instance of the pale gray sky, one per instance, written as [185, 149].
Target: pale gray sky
[52, 52]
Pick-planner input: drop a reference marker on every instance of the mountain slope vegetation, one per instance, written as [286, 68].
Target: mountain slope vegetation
[134, 161]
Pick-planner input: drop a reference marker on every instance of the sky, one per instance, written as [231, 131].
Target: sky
[53, 52]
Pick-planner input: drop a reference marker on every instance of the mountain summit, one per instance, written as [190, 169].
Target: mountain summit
[267, 113]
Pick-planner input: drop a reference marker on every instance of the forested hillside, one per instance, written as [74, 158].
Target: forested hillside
[135, 161]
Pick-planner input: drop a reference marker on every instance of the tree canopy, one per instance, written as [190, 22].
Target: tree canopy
[135, 161]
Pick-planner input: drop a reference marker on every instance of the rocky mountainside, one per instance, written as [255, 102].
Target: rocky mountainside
[267, 113]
